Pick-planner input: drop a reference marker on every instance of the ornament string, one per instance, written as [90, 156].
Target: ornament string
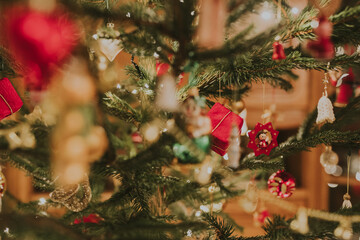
[348, 173]
[263, 102]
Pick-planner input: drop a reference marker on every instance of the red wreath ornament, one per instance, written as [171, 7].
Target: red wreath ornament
[263, 138]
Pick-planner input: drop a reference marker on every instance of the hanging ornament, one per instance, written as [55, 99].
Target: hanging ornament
[39, 41]
[238, 108]
[193, 108]
[10, 101]
[212, 19]
[109, 41]
[263, 138]
[329, 157]
[300, 224]
[222, 120]
[166, 93]
[278, 51]
[325, 107]
[322, 47]
[281, 184]
[75, 197]
[347, 203]
[344, 86]
[234, 151]
[260, 217]
[344, 230]
[250, 199]
[197, 125]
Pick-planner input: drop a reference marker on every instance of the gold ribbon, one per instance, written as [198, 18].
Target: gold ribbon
[6, 103]
[220, 121]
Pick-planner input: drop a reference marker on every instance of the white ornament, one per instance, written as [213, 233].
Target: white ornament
[325, 111]
[110, 47]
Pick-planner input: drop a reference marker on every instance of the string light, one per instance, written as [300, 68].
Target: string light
[42, 201]
[295, 10]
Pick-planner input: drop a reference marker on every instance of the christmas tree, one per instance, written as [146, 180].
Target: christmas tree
[156, 148]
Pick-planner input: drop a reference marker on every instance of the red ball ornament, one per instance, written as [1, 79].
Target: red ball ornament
[39, 41]
[260, 217]
[281, 184]
[136, 137]
[10, 101]
[263, 138]
[278, 51]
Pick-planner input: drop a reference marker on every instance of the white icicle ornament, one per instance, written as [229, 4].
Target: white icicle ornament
[325, 111]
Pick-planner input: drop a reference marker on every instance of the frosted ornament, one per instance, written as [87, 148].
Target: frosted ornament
[325, 107]
[329, 157]
[325, 111]
[109, 43]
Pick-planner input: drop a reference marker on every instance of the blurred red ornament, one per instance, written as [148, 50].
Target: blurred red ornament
[39, 41]
[263, 138]
[136, 137]
[91, 218]
[10, 101]
[278, 51]
[322, 47]
[2, 184]
[260, 217]
[161, 68]
[281, 184]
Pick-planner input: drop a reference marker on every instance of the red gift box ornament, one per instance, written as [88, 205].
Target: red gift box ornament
[263, 138]
[10, 101]
[222, 121]
[278, 51]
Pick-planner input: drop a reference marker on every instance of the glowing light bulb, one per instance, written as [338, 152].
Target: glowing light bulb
[42, 201]
[295, 10]
[266, 15]
[314, 23]
[333, 185]
[357, 176]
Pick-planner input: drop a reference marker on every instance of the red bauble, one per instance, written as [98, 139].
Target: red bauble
[136, 137]
[281, 184]
[91, 218]
[260, 217]
[263, 138]
[222, 121]
[39, 41]
[278, 51]
[10, 101]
